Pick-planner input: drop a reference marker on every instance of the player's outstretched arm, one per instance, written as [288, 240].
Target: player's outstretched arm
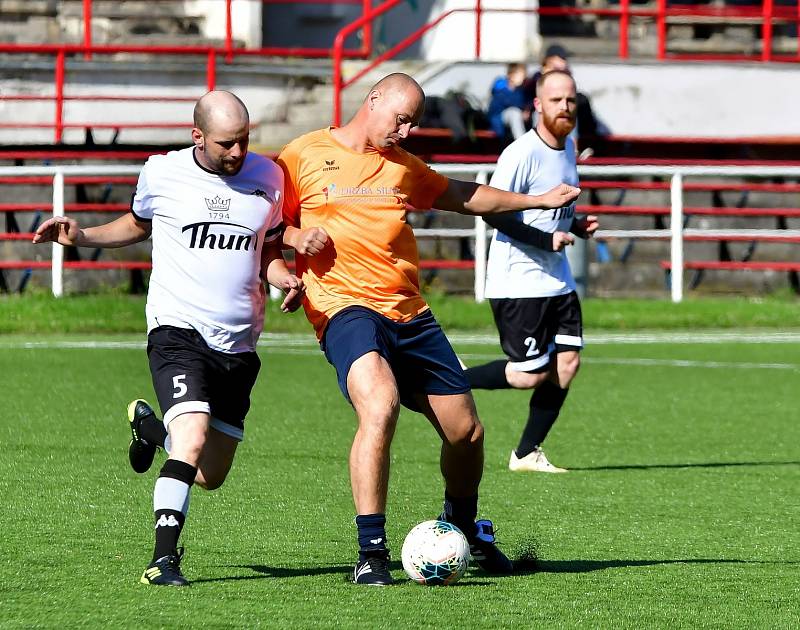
[274, 271]
[118, 233]
[511, 225]
[308, 242]
[472, 198]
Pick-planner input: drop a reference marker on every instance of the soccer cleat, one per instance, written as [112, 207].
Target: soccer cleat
[166, 571]
[535, 461]
[373, 571]
[484, 551]
[140, 452]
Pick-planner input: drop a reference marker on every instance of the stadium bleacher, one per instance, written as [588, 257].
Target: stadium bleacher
[636, 200]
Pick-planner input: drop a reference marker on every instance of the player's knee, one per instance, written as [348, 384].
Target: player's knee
[379, 414]
[468, 433]
[209, 481]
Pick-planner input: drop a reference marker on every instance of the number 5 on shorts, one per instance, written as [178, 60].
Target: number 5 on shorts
[180, 386]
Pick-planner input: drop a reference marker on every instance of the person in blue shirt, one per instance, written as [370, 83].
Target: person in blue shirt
[507, 103]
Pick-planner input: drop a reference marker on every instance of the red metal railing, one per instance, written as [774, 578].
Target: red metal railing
[228, 51]
[765, 13]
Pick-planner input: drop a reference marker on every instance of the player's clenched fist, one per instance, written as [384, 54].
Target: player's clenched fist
[59, 229]
[585, 227]
[311, 241]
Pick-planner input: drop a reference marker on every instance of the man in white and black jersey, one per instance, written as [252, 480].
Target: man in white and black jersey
[528, 280]
[214, 213]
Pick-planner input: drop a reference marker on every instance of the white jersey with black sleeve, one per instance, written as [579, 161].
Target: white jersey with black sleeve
[208, 231]
[515, 269]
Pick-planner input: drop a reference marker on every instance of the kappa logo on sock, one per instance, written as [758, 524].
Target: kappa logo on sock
[167, 521]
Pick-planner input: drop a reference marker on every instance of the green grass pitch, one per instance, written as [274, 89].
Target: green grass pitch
[681, 509]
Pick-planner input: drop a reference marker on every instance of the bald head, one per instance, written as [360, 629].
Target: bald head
[219, 107]
[221, 132]
[393, 106]
[401, 83]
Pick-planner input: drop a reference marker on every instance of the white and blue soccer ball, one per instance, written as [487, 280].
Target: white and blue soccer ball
[435, 552]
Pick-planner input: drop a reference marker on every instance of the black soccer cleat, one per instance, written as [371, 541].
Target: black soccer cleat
[485, 553]
[166, 571]
[140, 452]
[373, 571]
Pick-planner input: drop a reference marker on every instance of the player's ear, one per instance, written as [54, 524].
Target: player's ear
[197, 138]
[537, 104]
[373, 96]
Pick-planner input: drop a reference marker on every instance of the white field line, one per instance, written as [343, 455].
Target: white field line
[305, 345]
[289, 340]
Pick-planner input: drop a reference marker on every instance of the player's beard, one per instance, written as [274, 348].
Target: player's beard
[229, 167]
[559, 125]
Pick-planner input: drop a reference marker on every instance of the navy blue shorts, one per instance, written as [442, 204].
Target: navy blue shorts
[421, 358]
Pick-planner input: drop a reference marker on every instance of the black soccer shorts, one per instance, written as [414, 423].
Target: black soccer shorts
[190, 377]
[532, 329]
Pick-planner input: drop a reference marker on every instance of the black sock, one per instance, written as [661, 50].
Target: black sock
[461, 512]
[546, 402]
[152, 430]
[371, 535]
[171, 504]
[488, 376]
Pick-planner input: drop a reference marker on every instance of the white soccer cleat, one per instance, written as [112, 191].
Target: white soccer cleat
[535, 461]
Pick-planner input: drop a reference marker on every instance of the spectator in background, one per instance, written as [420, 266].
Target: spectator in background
[587, 126]
[508, 102]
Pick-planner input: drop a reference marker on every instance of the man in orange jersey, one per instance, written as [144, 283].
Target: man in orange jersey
[347, 191]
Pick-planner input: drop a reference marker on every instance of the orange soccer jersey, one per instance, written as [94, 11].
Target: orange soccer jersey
[360, 200]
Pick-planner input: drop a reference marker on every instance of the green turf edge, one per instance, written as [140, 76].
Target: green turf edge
[111, 312]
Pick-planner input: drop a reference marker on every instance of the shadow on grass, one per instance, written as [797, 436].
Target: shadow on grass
[263, 572]
[671, 466]
[525, 567]
[521, 567]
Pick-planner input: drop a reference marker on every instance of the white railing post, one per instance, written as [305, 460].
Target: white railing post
[676, 236]
[58, 250]
[481, 177]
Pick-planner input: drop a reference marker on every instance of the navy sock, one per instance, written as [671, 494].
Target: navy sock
[371, 535]
[461, 512]
[545, 405]
[488, 376]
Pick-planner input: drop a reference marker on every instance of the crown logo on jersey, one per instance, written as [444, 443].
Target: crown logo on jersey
[218, 204]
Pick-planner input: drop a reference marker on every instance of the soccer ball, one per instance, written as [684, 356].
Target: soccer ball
[435, 552]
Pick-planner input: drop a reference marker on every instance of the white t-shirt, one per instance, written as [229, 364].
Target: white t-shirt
[515, 269]
[208, 233]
